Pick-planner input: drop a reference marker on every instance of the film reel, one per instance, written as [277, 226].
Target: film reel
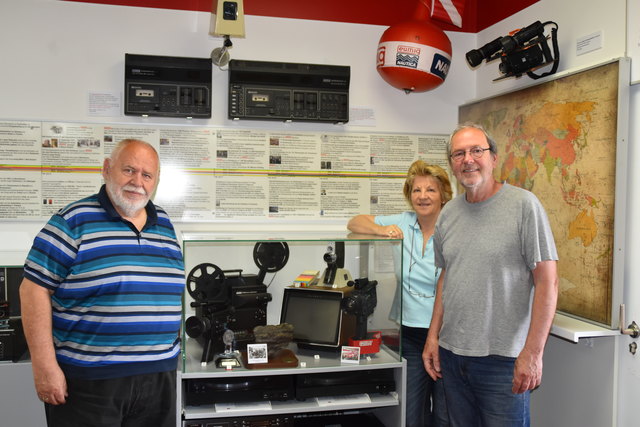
[270, 257]
[205, 283]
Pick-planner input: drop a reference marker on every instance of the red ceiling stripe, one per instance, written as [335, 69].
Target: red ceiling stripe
[478, 14]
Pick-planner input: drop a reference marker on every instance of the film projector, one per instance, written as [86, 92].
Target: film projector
[229, 304]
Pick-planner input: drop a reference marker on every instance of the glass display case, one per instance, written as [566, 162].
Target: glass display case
[277, 325]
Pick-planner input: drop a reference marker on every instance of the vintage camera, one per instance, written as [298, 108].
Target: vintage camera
[334, 259]
[335, 275]
[521, 52]
[225, 300]
[361, 303]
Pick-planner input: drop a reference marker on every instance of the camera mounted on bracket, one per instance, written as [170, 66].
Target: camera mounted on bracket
[523, 51]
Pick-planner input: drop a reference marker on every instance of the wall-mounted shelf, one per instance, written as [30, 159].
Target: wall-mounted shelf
[573, 329]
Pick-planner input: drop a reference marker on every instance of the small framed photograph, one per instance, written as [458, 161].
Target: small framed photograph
[350, 354]
[257, 353]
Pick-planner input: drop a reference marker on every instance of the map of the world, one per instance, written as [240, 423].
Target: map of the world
[558, 140]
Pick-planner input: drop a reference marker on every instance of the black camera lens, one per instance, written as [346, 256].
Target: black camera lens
[351, 304]
[196, 327]
[330, 257]
[475, 56]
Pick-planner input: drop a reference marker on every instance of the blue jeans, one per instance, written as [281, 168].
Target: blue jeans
[478, 391]
[426, 406]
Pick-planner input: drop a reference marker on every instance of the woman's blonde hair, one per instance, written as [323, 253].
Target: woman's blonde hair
[420, 168]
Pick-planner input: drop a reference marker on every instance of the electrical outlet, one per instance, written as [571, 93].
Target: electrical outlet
[227, 18]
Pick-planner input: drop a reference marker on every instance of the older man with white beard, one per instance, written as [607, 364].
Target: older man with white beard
[101, 302]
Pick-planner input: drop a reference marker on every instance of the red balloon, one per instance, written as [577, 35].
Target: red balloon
[414, 56]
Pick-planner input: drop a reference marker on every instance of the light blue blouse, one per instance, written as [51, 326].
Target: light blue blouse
[419, 277]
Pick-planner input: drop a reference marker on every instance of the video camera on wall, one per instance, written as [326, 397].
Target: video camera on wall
[521, 52]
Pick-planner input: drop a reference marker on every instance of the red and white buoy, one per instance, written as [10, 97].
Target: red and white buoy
[415, 55]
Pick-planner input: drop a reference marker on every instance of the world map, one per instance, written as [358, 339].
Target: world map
[559, 140]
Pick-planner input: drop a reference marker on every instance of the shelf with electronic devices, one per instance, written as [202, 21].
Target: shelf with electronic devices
[290, 324]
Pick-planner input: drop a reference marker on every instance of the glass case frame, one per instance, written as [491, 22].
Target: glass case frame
[365, 257]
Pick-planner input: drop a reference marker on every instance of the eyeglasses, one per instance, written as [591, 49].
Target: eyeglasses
[413, 262]
[475, 152]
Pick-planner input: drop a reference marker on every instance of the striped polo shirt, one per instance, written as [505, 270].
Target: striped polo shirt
[116, 290]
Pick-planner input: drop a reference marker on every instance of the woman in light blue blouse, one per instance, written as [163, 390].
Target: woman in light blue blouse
[427, 188]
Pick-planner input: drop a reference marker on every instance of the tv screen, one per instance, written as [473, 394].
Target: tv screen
[316, 317]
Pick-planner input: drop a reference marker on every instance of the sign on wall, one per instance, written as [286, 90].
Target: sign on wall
[209, 174]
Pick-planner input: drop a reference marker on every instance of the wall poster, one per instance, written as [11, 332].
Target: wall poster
[210, 174]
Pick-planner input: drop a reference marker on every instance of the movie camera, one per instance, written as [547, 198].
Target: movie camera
[361, 303]
[523, 51]
[229, 300]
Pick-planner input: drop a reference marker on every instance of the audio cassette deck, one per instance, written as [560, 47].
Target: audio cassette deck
[260, 90]
[167, 86]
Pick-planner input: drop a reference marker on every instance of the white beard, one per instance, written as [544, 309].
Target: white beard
[129, 208]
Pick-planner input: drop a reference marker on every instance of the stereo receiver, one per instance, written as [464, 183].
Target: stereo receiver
[341, 383]
[206, 391]
[260, 90]
[244, 421]
[167, 86]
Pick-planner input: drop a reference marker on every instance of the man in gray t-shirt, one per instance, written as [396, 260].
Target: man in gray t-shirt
[497, 293]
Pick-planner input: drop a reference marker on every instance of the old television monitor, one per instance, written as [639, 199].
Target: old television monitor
[319, 323]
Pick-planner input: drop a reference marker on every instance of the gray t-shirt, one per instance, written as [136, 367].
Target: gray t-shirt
[488, 250]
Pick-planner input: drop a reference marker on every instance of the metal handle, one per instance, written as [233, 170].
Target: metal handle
[633, 330]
